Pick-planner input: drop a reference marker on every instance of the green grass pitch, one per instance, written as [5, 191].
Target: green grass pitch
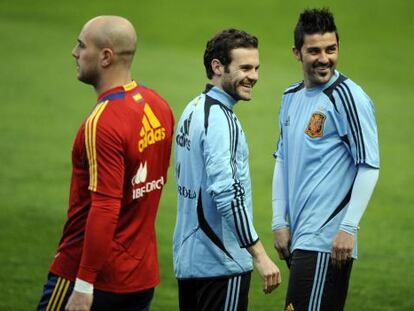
[42, 105]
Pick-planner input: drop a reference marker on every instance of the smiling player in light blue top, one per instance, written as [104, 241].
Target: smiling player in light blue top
[215, 241]
[327, 165]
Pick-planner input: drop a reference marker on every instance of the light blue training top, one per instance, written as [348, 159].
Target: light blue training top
[326, 133]
[214, 213]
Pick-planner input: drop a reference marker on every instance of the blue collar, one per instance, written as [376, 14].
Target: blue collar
[118, 95]
[221, 96]
[318, 88]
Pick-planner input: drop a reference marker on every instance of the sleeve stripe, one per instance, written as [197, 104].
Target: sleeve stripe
[241, 211]
[90, 142]
[358, 123]
[236, 222]
[241, 219]
[351, 120]
[233, 133]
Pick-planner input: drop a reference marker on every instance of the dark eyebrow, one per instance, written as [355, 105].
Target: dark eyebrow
[313, 48]
[247, 66]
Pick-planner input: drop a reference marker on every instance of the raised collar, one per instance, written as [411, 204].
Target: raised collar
[219, 95]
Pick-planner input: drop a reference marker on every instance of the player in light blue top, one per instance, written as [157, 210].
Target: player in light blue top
[214, 239]
[327, 165]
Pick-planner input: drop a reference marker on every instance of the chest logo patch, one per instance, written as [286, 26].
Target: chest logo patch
[316, 125]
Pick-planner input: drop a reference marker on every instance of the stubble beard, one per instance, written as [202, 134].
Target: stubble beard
[90, 78]
[233, 90]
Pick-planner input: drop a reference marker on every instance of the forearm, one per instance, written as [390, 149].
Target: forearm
[256, 250]
[99, 231]
[363, 188]
[279, 199]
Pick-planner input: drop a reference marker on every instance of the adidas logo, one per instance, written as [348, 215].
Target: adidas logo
[182, 138]
[151, 130]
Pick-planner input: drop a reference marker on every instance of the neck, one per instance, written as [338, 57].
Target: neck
[216, 82]
[112, 79]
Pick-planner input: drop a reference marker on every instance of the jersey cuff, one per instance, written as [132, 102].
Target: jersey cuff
[250, 244]
[351, 229]
[280, 226]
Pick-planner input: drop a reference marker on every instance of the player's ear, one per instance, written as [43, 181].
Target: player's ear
[106, 56]
[217, 67]
[297, 54]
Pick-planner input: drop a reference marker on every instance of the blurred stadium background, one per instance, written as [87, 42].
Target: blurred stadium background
[43, 104]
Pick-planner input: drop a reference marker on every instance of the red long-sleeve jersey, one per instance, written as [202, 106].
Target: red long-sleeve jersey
[120, 159]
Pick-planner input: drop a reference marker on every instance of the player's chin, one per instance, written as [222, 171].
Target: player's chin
[244, 93]
[323, 78]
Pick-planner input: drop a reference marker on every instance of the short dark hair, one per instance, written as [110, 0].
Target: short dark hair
[222, 43]
[314, 21]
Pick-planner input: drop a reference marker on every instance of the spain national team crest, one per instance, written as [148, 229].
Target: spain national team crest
[315, 125]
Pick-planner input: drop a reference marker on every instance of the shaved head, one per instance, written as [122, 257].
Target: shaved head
[115, 33]
[104, 52]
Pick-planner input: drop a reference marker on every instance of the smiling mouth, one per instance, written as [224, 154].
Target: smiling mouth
[247, 85]
[323, 70]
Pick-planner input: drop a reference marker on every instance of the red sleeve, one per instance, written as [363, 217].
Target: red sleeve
[104, 146]
[99, 231]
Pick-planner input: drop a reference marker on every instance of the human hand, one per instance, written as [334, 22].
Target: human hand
[342, 248]
[79, 302]
[281, 242]
[266, 268]
[269, 273]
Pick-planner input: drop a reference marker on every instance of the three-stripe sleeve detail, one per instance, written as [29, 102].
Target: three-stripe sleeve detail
[321, 269]
[58, 295]
[234, 138]
[351, 112]
[241, 219]
[90, 142]
[233, 292]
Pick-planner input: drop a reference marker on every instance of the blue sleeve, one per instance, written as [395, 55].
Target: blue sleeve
[223, 184]
[362, 190]
[279, 197]
[359, 125]
[278, 153]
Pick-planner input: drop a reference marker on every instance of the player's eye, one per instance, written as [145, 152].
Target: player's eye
[246, 68]
[313, 51]
[80, 44]
[331, 49]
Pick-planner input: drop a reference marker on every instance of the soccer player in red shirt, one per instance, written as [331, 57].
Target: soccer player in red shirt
[107, 256]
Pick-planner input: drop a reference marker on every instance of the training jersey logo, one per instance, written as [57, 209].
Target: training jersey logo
[140, 186]
[151, 130]
[182, 138]
[141, 175]
[315, 125]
